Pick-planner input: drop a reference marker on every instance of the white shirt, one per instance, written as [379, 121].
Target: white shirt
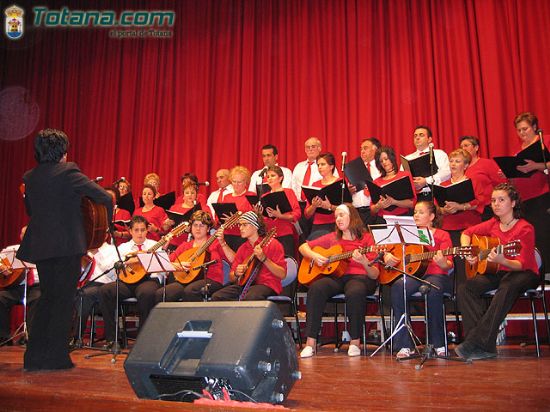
[213, 198]
[257, 180]
[361, 198]
[9, 253]
[105, 258]
[131, 246]
[300, 171]
[443, 168]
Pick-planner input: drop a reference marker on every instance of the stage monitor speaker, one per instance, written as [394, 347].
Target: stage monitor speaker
[244, 348]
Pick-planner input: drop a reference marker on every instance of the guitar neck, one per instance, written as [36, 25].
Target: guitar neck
[429, 255]
[348, 255]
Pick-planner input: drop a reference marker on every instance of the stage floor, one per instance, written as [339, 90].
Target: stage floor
[516, 380]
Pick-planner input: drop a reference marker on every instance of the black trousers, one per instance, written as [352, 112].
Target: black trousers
[48, 346]
[356, 288]
[535, 212]
[480, 324]
[255, 292]
[192, 292]
[86, 299]
[12, 296]
[143, 291]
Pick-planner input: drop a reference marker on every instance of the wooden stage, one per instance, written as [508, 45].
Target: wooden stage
[517, 380]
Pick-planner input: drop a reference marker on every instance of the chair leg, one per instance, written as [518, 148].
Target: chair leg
[298, 331]
[124, 332]
[534, 314]
[445, 330]
[92, 327]
[544, 308]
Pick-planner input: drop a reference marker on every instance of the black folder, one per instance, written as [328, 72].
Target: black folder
[509, 164]
[263, 188]
[274, 199]
[357, 173]
[224, 209]
[332, 192]
[165, 201]
[126, 202]
[462, 192]
[419, 167]
[253, 199]
[399, 189]
[178, 217]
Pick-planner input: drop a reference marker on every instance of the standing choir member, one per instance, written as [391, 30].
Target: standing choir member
[155, 215]
[357, 283]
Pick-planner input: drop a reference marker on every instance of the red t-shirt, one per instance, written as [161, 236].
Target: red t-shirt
[273, 251]
[330, 239]
[394, 210]
[486, 173]
[215, 271]
[156, 216]
[121, 214]
[522, 231]
[442, 240]
[285, 227]
[321, 218]
[535, 185]
[465, 218]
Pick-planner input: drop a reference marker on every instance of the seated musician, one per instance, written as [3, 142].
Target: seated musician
[120, 232]
[386, 163]
[197, 289]
[13, 293]
[144, 290]
[515, 275]
[426, 215]
[183, 205]
[240, 179]
[322, 223]
[357, 283]
[283, 222]
[267, 264]
[101, 260]
[155, 215]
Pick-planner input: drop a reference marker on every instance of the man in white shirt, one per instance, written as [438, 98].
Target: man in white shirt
[270, 155]
[422, 141]
[224, 188]
[144, 290]
[361, 198]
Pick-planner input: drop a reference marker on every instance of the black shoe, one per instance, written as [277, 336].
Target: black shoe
[468, 350]
[480, 354]
[110, 345]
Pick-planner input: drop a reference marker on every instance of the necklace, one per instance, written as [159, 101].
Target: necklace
[509, 223]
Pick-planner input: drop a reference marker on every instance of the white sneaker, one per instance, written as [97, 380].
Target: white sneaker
[354, 350]
[404, 353]
[307, 352]
[440, 351]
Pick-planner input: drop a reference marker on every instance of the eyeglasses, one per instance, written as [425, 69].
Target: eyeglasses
[311, 147]
[199, 225]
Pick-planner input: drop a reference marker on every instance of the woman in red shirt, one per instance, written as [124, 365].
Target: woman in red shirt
[154, 214]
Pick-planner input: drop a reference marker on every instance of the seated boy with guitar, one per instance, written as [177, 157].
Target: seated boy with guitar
[513, 275]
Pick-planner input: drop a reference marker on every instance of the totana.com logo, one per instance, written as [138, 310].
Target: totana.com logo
[13, 22]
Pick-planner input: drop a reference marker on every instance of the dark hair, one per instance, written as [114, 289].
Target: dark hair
[203, 217]
[262, 230]
[115, 192]
[148, 186]
[50, 145]
[356, 225]
[472, 139]
[428, 130]
[391, 156]
[138, 219]
[513, 194]
[432, 208]
[270, 146]
[276, 169]
[527, 117]
[329, 157]
[190, 176]
[373, 140]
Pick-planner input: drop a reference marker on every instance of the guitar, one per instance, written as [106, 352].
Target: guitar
[94, 219]
[252, 263]
[337, 264]
[483, 246]
[197, 255]
[134, 269]
[417, 259]
[9, 276]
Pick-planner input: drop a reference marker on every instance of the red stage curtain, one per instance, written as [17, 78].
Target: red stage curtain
[240, 74]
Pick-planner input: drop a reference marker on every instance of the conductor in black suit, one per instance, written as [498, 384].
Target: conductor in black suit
[55, 241]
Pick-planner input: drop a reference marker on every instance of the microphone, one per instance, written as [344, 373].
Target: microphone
[207, 183]
[431, 147]
[344, 155]
[98, 179]
[121, 179]
[206, 264]
[539, 132]
[377, 259]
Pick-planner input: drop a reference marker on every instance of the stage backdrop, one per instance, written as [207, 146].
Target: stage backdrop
[239, 74]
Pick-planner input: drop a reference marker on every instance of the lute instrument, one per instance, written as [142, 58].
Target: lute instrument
[252, 263]
[337, 264]
[483, 246]
[196, 256]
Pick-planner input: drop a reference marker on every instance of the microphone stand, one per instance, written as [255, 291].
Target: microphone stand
[344, 154]
[546, 172]
[432, 172]
[206, 288]
[120, 268]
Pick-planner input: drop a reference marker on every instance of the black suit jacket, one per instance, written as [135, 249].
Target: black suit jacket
[53, 193]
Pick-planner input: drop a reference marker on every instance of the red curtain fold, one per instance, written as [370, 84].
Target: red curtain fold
[240, 74]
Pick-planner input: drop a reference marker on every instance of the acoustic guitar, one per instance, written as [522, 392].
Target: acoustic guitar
[94, 217]
[9, 276]
[134, 269]
[253, 265]
[483, 246]
[197, 255]
[337, 264]
[417, 259]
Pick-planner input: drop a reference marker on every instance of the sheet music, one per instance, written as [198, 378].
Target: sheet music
[408, 232]
[156, 262]
[16, 263]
